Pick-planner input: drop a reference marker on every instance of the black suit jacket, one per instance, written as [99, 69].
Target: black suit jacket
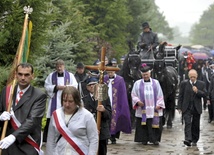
[29, 111]
[210, 95]
[91, 105]
[184, 97]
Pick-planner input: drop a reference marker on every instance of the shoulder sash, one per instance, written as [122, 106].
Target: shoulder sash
[16, 124]
[67, 134]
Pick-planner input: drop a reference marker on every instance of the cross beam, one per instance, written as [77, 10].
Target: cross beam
[101, 68]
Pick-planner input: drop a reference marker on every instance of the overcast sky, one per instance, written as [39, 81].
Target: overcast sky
[183, 13]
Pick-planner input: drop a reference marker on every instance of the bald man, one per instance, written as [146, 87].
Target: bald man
[190, 106]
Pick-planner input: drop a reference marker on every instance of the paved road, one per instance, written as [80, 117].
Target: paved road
[171, 144]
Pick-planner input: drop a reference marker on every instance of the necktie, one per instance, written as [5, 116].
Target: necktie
[19, 96]
[92, 98]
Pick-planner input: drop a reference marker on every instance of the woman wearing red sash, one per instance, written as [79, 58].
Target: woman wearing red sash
[72, 128]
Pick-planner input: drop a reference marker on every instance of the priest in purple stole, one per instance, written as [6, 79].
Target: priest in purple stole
[148, 100]
[54, 84]
[120, 120]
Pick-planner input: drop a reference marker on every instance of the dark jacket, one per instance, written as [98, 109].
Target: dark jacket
[29, 111]
[149, 39]
[91, 105]
[184, 97]
[211, 89]
[81, 80]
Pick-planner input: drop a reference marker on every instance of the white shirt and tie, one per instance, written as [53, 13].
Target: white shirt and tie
[20, 93]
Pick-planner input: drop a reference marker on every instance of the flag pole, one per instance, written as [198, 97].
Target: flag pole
[17, 60]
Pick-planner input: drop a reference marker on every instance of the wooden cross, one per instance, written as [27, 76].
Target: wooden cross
[101, 68]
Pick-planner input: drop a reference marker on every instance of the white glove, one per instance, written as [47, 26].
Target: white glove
[5, 116]
[7, 141]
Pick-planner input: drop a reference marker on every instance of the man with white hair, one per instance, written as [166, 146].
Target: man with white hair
[190, 106]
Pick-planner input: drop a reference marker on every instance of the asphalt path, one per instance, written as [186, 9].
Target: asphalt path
[171, 143]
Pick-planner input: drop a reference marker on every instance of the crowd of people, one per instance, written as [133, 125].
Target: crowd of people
[71, 112]
[72, 109]
[205, 73]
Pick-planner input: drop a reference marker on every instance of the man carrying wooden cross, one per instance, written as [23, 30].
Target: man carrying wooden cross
[100, 106]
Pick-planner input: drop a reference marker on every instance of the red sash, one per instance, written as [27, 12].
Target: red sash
[16, 124]
[63, 130]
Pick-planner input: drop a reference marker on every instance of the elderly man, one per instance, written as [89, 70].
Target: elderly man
[190, 105]
[148, 100]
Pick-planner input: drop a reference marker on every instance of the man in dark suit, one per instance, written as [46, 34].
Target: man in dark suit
[190, 105]
[23, 134]
[91, 104]
[81, 77]
[209, 74]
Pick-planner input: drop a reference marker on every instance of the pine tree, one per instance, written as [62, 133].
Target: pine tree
[59, 45]
[109, 19]
[11, 23]
[202, 33]
[80, 30]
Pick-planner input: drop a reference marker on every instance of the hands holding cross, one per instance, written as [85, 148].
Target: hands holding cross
[101, 67]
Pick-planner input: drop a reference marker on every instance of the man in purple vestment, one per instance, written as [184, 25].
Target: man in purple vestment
[148, 100]
[120, 120]
[54, 84]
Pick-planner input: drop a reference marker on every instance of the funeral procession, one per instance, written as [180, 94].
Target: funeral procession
[110, 77]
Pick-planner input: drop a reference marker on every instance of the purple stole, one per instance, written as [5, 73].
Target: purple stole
[54, 82]
[155, 120]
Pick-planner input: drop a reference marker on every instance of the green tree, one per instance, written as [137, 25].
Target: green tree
[138, 10]
[4, 76]
[76, 28]
[12, 18]
[80, 31]
[147, 10]
[203, 32]
[161, 25]
[109, 19]
[59, 47]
